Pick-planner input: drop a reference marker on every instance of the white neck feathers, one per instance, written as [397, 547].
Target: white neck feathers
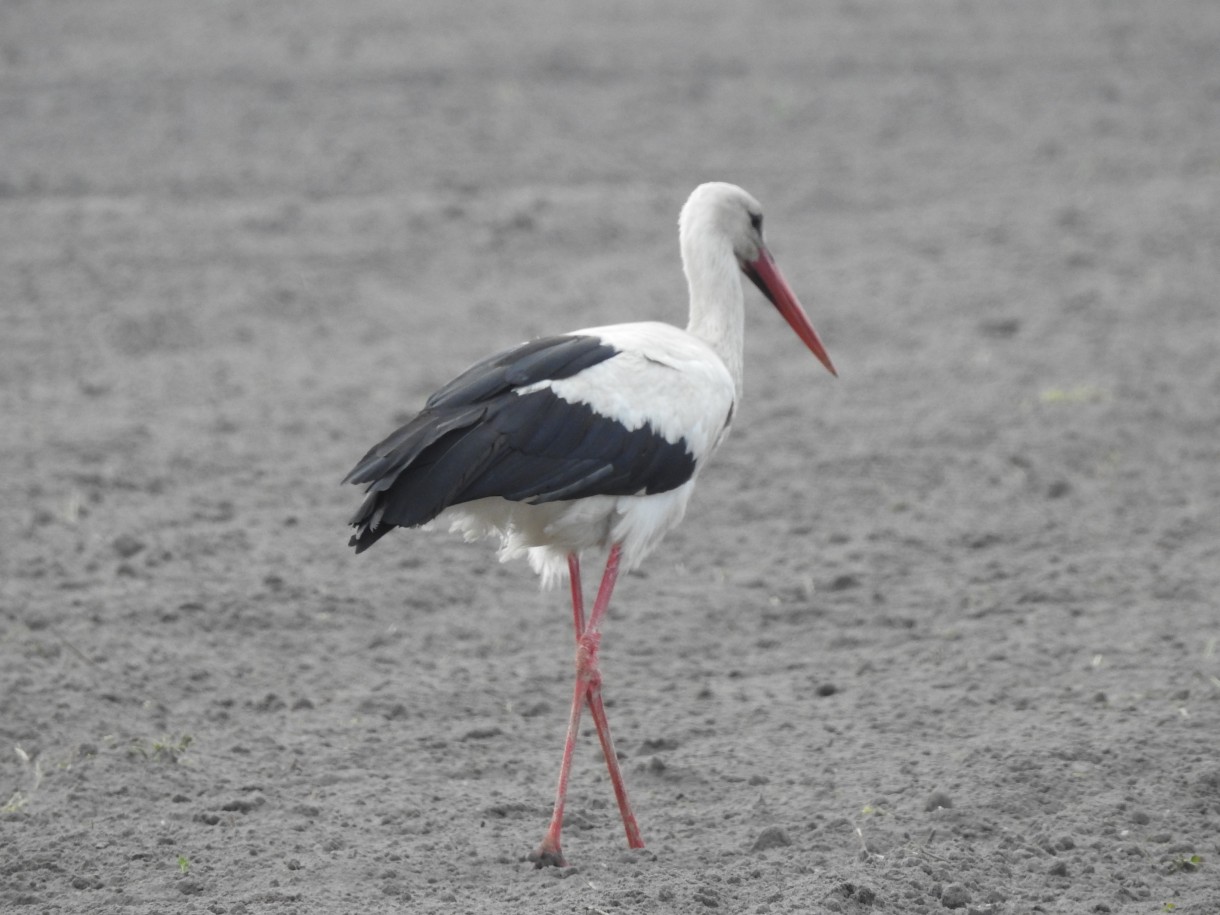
[717, 303]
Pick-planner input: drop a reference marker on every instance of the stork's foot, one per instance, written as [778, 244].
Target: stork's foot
[548, 855]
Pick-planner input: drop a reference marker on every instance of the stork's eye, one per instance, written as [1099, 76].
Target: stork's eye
[756, 222]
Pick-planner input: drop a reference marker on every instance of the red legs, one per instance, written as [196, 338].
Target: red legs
[588, 689]
[594, 695]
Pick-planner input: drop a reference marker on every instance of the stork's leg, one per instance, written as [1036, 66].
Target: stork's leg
[578, 594]
[550, 852]
[587, 688]
[598, 711]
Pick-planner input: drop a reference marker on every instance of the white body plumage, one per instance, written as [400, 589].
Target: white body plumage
[662, 377]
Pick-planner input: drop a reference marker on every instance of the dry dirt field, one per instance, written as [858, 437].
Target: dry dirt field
[940, 635]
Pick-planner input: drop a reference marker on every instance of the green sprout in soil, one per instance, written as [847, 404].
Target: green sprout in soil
[15, 803]
[167, 749]
[34, 770]
[1186, 863]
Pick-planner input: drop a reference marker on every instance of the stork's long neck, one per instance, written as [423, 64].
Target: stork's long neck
[717, 303]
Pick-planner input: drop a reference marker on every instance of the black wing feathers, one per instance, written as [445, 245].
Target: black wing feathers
[478, 437]
[547, 358]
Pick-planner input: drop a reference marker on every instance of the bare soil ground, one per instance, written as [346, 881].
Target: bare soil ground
[941, 635]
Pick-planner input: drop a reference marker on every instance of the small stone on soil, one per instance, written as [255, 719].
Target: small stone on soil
[771, 837]
[936, 800]
[955, 896]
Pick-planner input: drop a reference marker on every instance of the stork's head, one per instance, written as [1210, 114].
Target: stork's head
[718, 214]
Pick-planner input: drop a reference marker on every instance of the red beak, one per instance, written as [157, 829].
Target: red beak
[766, 276]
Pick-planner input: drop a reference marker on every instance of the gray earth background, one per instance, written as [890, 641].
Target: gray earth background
[939, 635]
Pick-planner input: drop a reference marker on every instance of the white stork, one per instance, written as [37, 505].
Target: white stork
[591, 439]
